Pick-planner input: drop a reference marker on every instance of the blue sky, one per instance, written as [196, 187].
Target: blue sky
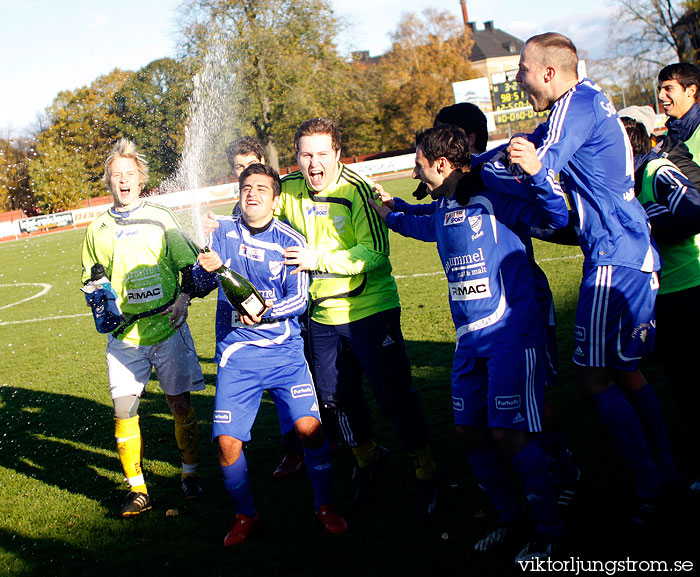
[47, 46]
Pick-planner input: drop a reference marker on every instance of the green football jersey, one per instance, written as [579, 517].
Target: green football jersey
[142, 252]
[352, 276]
[681, 260]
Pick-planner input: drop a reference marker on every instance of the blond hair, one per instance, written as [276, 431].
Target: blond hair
[125, 148]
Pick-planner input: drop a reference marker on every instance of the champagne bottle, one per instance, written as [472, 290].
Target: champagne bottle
[99, 277]
[239, 291]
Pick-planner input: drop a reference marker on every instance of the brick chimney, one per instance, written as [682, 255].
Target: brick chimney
[463, 3]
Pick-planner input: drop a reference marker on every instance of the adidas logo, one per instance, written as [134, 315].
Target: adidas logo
[578, 352]
[314, 408]
[103, 225]
[388, 341]
[518, 419]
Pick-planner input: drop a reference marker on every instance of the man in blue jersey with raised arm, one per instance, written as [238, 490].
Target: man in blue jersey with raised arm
[563, 469]
[583, 141]
[255, 354]
[499, 368]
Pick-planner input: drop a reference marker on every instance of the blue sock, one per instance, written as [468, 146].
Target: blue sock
[646, 404]
[561, 465]
[238, 487]
[531, 465]
[320, 469]
[621, 421]
[490, 472]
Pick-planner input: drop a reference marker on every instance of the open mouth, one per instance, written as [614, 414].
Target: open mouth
[316, 177]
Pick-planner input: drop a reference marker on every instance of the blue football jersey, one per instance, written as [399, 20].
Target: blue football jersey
[488, 269]
[543, 293]
[584, 142]
[258, 257]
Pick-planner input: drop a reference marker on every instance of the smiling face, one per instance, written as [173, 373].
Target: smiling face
[675, 99]
[317, 160]
[428, 173]
[125, 183]
[258, 200]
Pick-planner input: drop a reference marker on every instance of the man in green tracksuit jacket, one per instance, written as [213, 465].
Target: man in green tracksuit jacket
[354, 317]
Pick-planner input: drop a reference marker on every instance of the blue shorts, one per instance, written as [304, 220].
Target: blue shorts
[615, 320]
[239, 391]
[503, 390]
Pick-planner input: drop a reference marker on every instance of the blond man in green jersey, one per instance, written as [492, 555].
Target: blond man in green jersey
[149, 264]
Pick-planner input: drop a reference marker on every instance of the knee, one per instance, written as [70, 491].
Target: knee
[126, 407]
[179, 404]
[309, 431]
[509, 441]
[230, 450]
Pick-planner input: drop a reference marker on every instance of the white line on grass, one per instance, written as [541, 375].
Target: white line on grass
[560, 258]
[45, 319]
[47, 288]
[442, 272]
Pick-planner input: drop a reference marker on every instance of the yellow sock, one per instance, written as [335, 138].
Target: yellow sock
[364, 452]
[187, 437]
[128, 435]
[424, 464]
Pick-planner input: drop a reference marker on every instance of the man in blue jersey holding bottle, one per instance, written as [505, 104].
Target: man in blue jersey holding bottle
[584, 142]
[263, 353]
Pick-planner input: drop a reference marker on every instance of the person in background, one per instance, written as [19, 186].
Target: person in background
[673, 205]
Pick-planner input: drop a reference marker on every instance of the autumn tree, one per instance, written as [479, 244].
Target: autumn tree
[657, 31]
[627, 82]
[70, 153]
[151, 109]
[281, 57]
[59, 179]
[14, 174]
[428, 54]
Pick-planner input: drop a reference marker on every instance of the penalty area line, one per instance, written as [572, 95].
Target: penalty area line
[45, 319]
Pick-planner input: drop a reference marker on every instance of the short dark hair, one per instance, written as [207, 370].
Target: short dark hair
[637, 132]
[684, 73]
[445, 140]
[557, 49]
[262, 169]
[318, 125]
[244, 145]
[469, 118]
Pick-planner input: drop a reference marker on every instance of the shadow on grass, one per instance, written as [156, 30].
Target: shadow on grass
[61, 440]
[64, 441]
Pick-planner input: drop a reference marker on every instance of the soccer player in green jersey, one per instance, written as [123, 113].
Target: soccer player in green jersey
[149, 264]
[354, 315]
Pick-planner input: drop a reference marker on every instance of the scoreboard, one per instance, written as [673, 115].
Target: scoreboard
[510, 102]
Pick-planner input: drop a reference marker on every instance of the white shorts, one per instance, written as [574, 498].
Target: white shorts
[175, 361]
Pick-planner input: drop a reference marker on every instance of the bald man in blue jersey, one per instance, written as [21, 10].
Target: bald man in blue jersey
[585, 144]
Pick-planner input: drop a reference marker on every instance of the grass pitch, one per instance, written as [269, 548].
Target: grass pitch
[61, 486]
